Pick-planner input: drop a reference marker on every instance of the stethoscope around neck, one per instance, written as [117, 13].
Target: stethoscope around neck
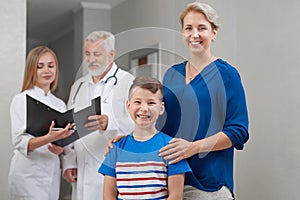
[114, 77]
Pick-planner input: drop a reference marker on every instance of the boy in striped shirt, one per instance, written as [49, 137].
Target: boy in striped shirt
[133, 169]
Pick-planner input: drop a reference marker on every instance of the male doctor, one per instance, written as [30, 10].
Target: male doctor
[82, 159]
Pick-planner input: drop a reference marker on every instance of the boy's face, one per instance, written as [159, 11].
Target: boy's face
[145, 107]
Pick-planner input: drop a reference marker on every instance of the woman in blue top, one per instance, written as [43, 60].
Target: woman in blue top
[206, 110]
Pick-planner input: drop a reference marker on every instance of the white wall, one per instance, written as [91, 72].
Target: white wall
[12, 56]
[268, 56]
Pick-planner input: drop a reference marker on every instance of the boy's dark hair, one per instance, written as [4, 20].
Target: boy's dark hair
[148, 83]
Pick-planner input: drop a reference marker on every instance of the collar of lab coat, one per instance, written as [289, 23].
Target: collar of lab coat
[40, 91]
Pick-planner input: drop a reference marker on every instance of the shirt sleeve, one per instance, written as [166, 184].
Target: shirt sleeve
[20, 138]
[236, 120]
[68, 157]
[109, 164]
[179, 168]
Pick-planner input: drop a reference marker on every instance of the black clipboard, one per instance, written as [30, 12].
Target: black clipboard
[40, 116]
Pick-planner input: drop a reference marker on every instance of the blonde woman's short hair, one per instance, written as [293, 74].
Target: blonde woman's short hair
[210, 13]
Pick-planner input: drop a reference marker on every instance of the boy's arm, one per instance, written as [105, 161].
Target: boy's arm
[110, 191]
[175, 186]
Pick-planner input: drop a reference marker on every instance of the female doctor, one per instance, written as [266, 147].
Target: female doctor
[83, 158]
[35, 167]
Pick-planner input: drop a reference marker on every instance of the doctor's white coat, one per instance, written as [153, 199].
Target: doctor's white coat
[87, 153]
[36, 174]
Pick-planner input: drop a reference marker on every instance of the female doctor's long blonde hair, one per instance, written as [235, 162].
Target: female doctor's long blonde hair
[30, 75]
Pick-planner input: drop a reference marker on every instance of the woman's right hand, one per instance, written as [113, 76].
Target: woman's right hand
[52, 136]
[110, 143]
[177, 149]
[57, 134]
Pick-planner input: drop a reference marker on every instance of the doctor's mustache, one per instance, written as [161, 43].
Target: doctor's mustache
[95, 64]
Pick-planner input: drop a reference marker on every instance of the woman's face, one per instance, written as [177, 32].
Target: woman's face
[46, 71]
[197, 32]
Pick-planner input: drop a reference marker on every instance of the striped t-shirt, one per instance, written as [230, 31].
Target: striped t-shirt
[139, 171]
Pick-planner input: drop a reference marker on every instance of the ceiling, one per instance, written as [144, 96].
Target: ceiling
[46, 18]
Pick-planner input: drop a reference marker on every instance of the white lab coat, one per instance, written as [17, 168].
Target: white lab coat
[87, 153]
[36, 174]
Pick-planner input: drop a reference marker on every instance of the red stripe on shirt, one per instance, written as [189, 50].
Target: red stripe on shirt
[143, 193]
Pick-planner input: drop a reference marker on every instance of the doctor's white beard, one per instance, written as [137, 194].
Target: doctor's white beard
[100, 69]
